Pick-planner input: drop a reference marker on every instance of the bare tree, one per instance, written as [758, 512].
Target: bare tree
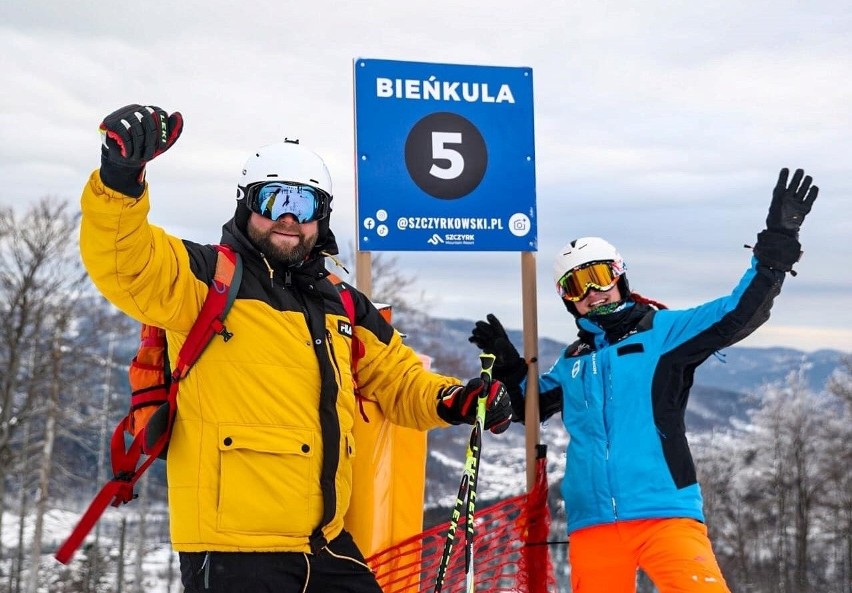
[44, 301]
[840, 384]
[46, 462]
[142, 535]
[19, 324]
[391, 285]
[837, 500]
[39, 270]
[778, 492]
[790, 443]
[719, 467]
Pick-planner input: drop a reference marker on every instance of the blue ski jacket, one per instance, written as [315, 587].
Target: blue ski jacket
[623, 396]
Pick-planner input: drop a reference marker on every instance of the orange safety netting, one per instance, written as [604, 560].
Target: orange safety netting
[510, 550]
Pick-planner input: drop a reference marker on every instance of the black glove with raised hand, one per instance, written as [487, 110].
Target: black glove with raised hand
[132, 136]
[791, 203]
[457, 405]
[778, 246]
[509, 367]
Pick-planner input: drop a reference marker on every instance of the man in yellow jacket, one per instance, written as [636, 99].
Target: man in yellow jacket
[260, 459]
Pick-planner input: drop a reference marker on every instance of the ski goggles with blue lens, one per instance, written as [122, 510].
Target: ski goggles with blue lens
[574, 285]
[275, 199]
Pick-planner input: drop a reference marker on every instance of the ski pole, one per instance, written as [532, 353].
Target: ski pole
[486, 361]
[467, 487]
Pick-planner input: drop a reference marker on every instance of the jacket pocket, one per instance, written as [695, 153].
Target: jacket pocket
[266, 475]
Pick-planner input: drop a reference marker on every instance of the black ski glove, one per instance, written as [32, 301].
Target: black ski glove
[490, 337]
[778, 246]
[790, 203]
[457, 405]
[132, 136]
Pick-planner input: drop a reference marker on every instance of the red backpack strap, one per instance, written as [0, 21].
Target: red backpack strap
[220, 296]
[210, 322]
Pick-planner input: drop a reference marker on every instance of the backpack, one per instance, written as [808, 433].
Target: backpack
[154, 389]
[154, 396]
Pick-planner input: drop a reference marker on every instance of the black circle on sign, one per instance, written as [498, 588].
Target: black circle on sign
[445, 155]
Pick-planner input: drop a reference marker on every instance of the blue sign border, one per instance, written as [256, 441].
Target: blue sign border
[393, 211]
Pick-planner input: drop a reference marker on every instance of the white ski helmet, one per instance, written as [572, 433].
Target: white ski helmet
[285, 161]
[586, 250]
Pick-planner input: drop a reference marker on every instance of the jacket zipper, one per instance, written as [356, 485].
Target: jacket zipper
[333, 358]
[606, 385]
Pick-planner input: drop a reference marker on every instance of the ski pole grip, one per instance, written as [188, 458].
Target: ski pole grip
[487, 363]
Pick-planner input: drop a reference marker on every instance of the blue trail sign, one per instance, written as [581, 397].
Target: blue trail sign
[445, 157]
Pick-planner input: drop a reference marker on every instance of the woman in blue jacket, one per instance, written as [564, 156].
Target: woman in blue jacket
[631, 494]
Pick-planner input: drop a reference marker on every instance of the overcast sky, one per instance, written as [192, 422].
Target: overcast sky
[659, 125]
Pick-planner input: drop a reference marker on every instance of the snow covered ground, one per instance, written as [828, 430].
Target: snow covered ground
[160, 570]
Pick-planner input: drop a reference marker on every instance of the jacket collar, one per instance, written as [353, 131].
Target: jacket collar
[608, 329]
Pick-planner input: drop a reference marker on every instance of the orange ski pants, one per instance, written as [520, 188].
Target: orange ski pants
[676, 554]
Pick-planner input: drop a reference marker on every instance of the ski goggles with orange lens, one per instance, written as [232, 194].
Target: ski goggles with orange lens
[574, 285]
[275, 199]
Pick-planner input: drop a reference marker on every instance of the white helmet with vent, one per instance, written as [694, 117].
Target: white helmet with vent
[586, 250]
[285, 161]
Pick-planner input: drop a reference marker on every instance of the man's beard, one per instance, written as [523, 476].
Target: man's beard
[285, 255]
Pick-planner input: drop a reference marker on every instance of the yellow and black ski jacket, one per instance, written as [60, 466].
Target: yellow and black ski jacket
[260, 458]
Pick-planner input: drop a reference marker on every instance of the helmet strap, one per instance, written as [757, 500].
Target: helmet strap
[241, 216]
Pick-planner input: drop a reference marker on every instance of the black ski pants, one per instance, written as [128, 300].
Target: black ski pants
[337, 568]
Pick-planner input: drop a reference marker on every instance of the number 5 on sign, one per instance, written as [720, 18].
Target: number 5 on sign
[440, 151]
[445, 155]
